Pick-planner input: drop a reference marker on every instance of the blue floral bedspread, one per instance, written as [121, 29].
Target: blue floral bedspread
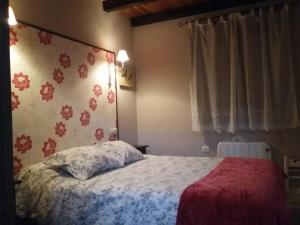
[146, 192]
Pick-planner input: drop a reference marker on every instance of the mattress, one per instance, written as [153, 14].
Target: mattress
[144, 192]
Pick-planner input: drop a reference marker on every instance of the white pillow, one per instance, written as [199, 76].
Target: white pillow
[131, 153]
[83, 162]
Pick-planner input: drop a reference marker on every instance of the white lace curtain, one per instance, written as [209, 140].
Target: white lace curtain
[242, 73]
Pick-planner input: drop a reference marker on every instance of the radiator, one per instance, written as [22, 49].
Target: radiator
[259, 150]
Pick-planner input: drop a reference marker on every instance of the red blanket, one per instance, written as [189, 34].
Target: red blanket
[237, 192]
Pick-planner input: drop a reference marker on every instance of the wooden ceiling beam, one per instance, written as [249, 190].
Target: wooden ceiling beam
[190, 10]
[113, 5]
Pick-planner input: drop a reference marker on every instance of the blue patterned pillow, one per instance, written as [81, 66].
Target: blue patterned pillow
[83, 162]
[131, 153]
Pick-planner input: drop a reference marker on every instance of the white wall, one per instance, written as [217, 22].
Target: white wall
[162, 60]
[86, 21]
[163, 107]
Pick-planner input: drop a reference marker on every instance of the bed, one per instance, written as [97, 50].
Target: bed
[149, 188]
[147, 191]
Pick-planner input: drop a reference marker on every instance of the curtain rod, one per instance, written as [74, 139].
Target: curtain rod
[236, 9]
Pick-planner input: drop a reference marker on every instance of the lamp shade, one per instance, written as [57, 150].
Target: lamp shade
[122, 56]
[11, 17]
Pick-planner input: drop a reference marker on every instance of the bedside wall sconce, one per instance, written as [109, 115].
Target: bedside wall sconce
[126, 74]
[11, 17]
[122, 57]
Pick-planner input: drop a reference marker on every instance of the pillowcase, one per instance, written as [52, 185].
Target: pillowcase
[131, 153]
[83, 162]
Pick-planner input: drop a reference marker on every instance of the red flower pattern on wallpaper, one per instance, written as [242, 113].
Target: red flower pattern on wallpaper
[21, 81]
[66, 112]
[83, 71]
[97, 90]
[109, 57]
[47, 91]
[14, 101]
[49, 147]
[85, 118]
[111, 97]
[45, 37]
[91, 58]
[58, 76]
[93, 104]
[17, 165]
[12, 37]
[60, 129]
[99, 134]
[113, 137]
[96, 50]
[23, 143]
[64, 60]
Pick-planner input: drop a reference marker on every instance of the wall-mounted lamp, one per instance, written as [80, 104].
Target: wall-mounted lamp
[11, 17]
[126, 73]
[122, 57]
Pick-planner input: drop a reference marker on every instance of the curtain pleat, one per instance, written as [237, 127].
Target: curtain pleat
[242, 73]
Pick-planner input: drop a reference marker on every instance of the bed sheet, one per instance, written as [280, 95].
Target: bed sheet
[144, 192]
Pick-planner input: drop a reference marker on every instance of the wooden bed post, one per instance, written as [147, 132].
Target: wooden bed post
[7, 198]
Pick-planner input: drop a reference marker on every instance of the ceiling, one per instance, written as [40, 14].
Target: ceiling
[155, 6]
[142, 12]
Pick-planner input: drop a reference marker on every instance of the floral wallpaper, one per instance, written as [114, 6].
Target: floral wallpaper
[63, 94]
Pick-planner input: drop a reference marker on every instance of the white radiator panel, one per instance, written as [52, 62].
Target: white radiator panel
[259, 150]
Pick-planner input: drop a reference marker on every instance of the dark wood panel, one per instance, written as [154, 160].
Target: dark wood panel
[144, 9]
[113, 5]
[155, 6]
[146, 12]
[7, 199]
[190, 10]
